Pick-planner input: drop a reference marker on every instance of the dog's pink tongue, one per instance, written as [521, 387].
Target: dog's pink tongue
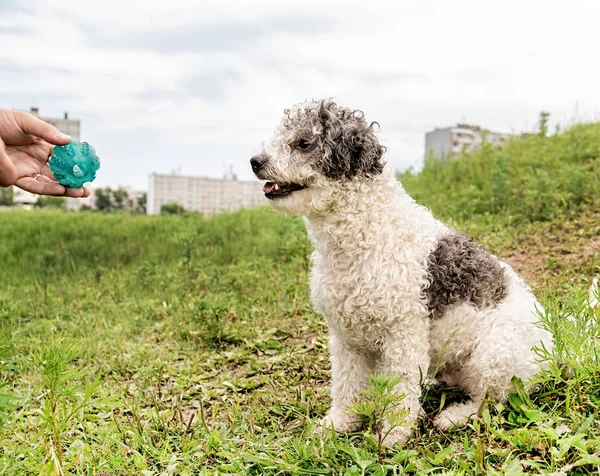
[269, 187]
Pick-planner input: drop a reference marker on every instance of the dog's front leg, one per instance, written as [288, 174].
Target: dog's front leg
[406, 355]
[350, 371]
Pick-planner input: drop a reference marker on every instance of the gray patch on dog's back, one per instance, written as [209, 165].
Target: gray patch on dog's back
[461, 271]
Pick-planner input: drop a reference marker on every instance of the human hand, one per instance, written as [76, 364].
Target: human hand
[25, 144]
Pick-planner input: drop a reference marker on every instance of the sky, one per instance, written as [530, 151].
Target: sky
[198, 85]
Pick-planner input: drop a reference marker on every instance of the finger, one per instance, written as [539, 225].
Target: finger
[8, 173]
[38, 128]
[48, 176]
[44, 185]
[40, 186]
[77, 192]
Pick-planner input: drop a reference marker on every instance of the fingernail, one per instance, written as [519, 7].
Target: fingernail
[62, 136]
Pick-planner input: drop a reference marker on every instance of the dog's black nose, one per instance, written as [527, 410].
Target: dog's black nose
[257, 162]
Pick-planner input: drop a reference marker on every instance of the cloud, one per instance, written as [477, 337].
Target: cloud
[201, 84]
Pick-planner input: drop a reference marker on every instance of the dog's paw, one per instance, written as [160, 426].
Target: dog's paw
[398, 435]
[431, 382]
[443, 423]
[456, 415]
[340, 423]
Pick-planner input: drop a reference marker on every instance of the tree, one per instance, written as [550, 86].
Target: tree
[544, 118]
[171, 209]
[6, 196]
[120, 199]
[104, 200]
[51, 202]
[141, 204]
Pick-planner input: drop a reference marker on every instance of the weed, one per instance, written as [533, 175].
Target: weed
[380, 405]
[63, 396]
[7, 400]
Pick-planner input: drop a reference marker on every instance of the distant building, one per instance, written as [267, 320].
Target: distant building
[201, 194]
[71, 127]
[23, 199]
[134, 196]
[452, 141]
[65, 125]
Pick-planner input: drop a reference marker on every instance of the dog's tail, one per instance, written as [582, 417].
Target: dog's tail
[594, 294]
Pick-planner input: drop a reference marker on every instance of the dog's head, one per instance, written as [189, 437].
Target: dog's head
[318, 147]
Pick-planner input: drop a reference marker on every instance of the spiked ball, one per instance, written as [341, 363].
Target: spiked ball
[74, 164]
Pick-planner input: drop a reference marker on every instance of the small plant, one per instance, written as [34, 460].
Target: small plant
[543, 124]
[380, 406]
[47, 265]
[6, 403]
[500, 183]
[188, 243]
[7, 400]
[64, 397]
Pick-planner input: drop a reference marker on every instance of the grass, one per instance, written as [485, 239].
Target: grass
[182, 345]
[537, 179]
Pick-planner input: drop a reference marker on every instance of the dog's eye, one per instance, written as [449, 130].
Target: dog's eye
[303, 144]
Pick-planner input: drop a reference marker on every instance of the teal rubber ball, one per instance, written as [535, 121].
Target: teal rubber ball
[74, 164]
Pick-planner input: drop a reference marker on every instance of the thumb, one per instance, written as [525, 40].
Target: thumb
[38, 128]
[8, 173]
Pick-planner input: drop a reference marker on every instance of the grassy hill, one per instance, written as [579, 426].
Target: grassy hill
[534, 179]
[182, 345]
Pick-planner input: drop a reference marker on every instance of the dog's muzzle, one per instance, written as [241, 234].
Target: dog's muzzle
[257, 162]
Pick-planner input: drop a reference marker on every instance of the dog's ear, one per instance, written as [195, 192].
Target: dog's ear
[350, 145]
[362, 147]
[324, 115]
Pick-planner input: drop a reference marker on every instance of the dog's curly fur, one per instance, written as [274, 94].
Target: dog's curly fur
[462, 271]
[401, 293]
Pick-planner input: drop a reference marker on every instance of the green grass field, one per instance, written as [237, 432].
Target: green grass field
[182, 345]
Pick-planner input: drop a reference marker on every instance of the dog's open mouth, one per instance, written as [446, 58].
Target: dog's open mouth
[274, 190]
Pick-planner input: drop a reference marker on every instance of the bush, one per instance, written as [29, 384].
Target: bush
[51, 202]
[172, 209]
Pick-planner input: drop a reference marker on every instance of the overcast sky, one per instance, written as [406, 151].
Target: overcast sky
[198, 85]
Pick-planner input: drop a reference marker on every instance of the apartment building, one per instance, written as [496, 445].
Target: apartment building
[65, 124]
[208, 196]
[452, 141]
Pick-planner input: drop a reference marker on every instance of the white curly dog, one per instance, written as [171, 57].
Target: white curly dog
[401, 293]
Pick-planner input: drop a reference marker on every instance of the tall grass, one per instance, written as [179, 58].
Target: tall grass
[529, 179]
[45, 245]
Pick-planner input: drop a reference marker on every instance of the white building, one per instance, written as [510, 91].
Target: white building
[23, 199]
[72, 127]
[452, 141]
[134, 196]
[201, 194]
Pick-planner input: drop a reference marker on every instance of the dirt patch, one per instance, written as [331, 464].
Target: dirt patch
[531, 267]
[568, 251]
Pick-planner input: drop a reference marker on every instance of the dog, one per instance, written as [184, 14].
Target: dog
[401, 293]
